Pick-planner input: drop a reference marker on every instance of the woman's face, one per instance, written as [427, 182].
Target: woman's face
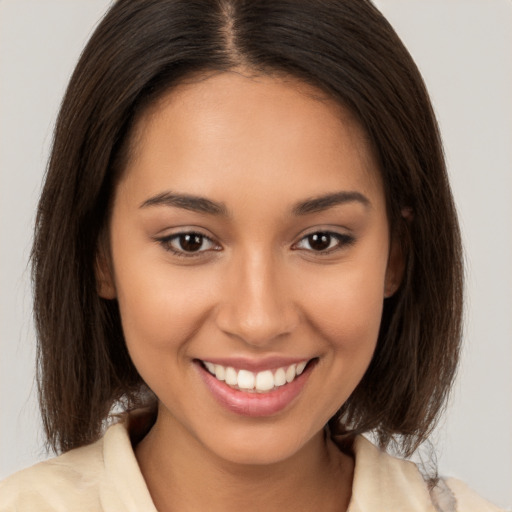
[249, 238]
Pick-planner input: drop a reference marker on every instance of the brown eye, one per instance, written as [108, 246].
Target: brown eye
[324, 242]
[319, 241]
[188, 244]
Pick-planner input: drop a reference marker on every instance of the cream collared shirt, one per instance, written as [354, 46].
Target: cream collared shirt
[105, 477]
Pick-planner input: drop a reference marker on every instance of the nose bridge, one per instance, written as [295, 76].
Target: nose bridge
[257, 307]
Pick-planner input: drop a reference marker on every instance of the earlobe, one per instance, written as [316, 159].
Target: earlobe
[104, 278]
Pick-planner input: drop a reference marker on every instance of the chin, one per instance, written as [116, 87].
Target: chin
[262, 446]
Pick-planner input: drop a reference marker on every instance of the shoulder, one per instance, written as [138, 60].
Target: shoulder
[57, 484]
[463, 497]
[383, 482]
[101, 477]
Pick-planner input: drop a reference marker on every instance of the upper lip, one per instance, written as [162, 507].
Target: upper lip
[256, 365]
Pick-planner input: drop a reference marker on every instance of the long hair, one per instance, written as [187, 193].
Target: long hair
[140, 50]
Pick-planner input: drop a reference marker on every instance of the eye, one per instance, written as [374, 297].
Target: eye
[324, 241]
[188, 244]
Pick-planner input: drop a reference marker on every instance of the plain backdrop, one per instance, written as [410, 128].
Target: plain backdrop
[462, 47]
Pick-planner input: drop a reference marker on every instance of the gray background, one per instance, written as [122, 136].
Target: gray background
[463, 48]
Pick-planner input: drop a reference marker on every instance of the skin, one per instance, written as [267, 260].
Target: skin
[258, 146]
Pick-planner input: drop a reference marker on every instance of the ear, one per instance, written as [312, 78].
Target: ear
[395, 268]
[397, 256]
[105, 285]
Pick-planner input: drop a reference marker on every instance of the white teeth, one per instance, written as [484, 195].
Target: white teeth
[231, 376]
[300, 367]
[264, 381]
[245, 379]
[290, 372]
[220, 372]
[260, 382]
[280, 377]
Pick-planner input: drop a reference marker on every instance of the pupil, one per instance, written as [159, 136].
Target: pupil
[319, 241]
[191, 243]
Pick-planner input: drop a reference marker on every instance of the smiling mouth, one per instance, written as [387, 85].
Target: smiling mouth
[256, 382]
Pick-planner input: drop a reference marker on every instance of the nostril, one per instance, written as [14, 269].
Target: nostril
[259, 332]
[254, 324]
[256, 307]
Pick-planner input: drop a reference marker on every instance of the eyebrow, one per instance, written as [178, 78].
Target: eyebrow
[203, 205]
[187, 202]
[321, 203]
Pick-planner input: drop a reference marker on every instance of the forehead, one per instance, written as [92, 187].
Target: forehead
[266, 130]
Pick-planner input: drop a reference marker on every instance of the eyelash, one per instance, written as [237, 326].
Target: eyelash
[166, 243]
[341, 239]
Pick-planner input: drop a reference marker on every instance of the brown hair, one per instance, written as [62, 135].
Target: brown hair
[143, 48]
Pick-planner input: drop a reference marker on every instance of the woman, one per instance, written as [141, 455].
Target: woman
[246, 237]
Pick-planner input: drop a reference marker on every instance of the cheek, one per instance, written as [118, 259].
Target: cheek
[348, 326]
[347, 307]
[161, 309]
[346, 319]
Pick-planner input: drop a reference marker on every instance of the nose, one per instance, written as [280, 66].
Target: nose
[258, 307]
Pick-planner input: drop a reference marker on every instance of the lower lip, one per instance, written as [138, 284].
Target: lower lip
[254, 404]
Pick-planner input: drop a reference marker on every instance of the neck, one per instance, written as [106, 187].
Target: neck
[182, 474]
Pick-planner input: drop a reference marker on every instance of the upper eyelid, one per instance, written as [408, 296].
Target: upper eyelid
[174, 236]
[334, 234]
[329, 230]
[166, 240]
[170, 236]
[342, 238]
[182, 230]
[186, 231]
